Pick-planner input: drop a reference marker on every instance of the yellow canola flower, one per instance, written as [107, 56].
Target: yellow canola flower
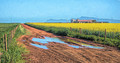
[110, 27]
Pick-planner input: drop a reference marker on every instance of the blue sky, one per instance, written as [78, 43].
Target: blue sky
[59, 9]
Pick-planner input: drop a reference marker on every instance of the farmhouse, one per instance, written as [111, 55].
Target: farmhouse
[82, 21]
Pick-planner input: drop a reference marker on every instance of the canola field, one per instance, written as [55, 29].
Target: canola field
[110, 27]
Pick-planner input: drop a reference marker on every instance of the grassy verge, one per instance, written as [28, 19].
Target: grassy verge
[66, 32]
[15, 51]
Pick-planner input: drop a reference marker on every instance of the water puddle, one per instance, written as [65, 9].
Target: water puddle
[23, 40]
[40, 46]
[85, 45]
[74, 46]
[90, 46]
[57, 40]
[47, 40]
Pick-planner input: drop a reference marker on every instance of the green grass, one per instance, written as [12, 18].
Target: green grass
[15, 51]
[115, 42]
[6, 27]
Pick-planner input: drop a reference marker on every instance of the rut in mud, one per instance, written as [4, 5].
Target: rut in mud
[53, 52]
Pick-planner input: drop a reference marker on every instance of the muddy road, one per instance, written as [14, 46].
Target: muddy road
[63, 53]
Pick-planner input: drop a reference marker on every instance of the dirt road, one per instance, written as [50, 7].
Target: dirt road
[62, 53]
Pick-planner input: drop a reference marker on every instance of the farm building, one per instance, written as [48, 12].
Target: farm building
[82, 21]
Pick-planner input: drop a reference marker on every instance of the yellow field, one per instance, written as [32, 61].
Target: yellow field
[110, 27]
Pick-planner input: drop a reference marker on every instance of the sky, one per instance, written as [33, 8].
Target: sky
[58, 9]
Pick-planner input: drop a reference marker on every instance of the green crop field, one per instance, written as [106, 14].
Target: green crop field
[6, 27]
[8, 34]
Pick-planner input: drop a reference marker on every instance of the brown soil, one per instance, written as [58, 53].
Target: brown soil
[62, 53]
[0, 53]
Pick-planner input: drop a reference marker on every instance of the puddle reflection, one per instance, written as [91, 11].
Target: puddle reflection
[40, 46]
[57, 40]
